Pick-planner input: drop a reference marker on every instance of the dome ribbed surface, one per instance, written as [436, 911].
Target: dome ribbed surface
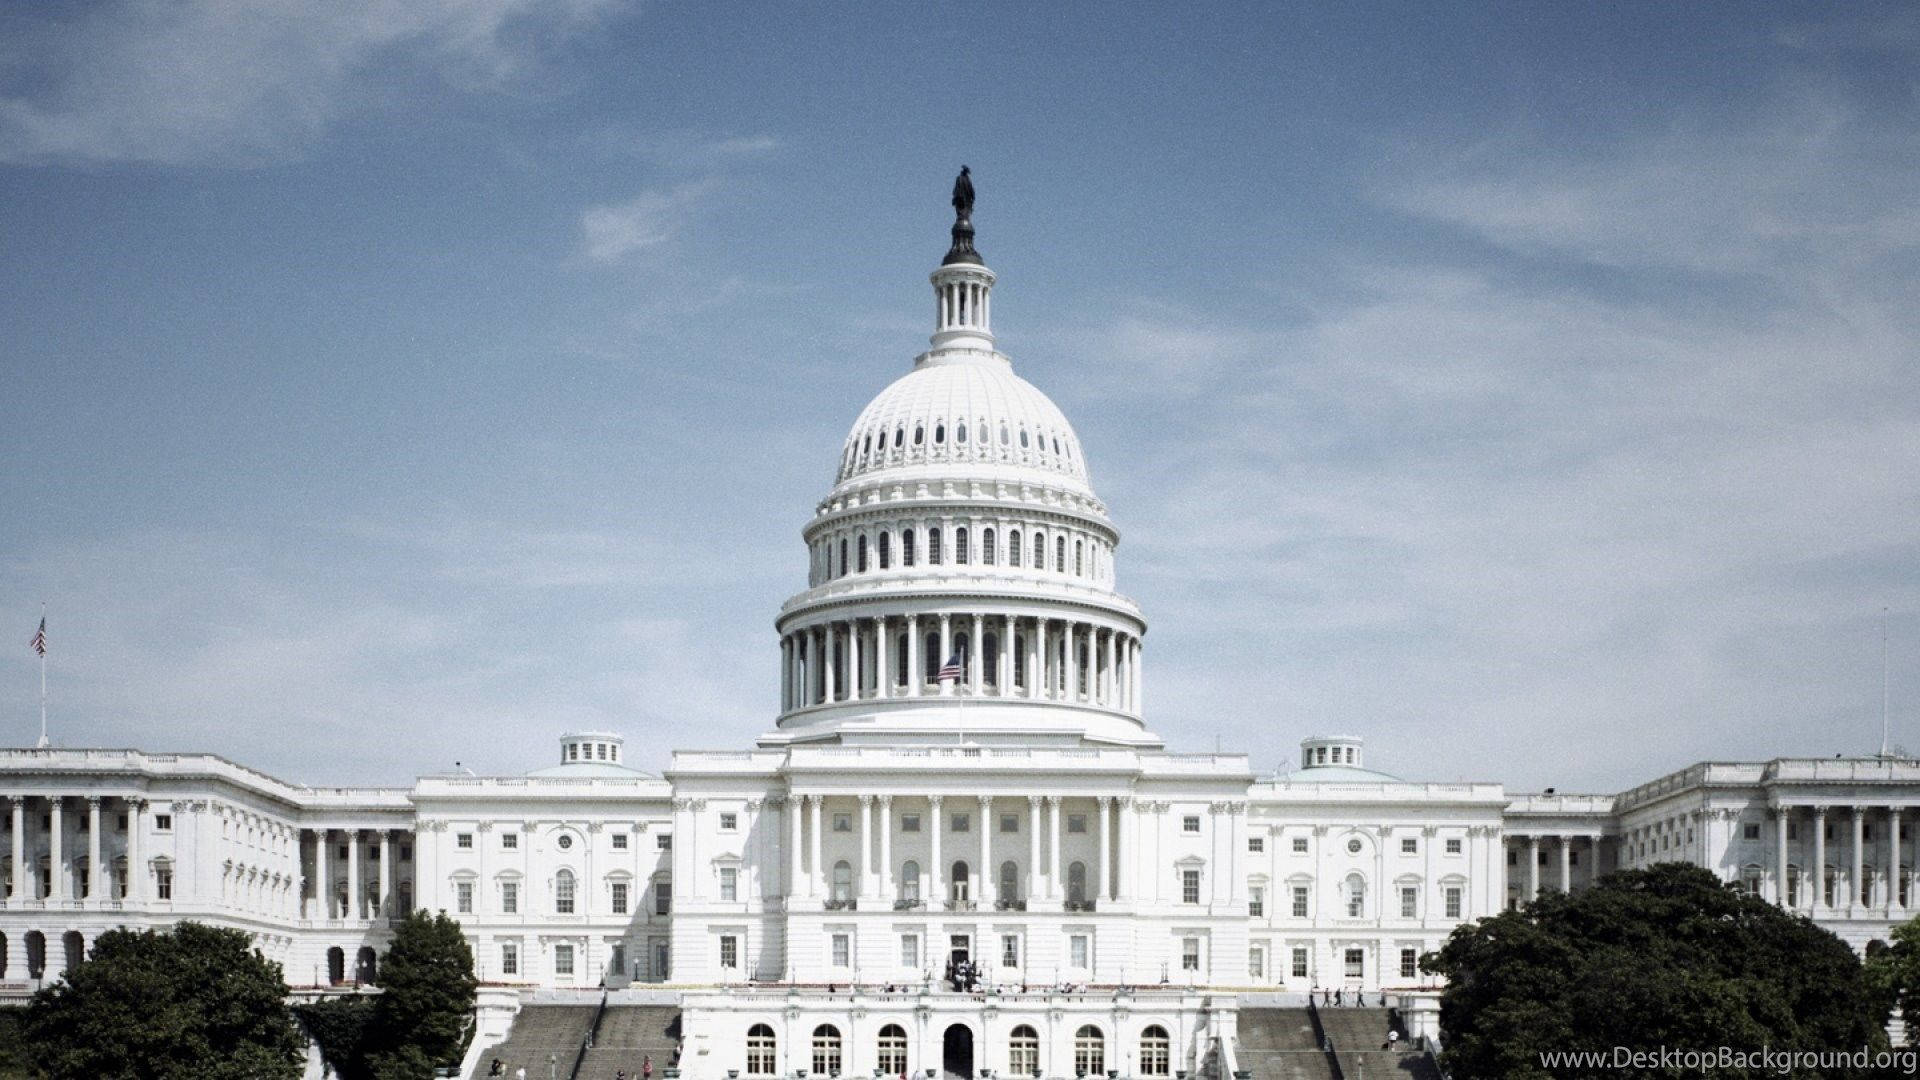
[971, 412]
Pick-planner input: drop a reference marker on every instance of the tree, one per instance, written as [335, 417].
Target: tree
[192, 1002]
[1894, 972]
[1667, 957]
[424, 1015]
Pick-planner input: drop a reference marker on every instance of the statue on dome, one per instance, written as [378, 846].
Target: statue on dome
[963, 195]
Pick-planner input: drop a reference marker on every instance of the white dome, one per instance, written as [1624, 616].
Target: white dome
[965, 410]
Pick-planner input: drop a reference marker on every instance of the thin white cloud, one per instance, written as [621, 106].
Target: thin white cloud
[613, 232]
[245, 81]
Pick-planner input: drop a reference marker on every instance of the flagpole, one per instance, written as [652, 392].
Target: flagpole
[42, 650]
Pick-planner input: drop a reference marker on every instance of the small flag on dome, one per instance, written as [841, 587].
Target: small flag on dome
[39, 641]
[951, 669]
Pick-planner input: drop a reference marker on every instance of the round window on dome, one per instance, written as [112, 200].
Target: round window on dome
[960, 432]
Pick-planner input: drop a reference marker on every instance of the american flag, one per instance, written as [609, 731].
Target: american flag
[39, 641]
[951, 669]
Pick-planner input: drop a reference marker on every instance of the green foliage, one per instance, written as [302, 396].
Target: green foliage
[1667, 957]
[192, 1003]
[341, 1026]
[424, 1015]
[13, 1044]
[1894, 972]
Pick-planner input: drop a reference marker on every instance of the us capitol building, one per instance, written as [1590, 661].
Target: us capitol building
[961, 773]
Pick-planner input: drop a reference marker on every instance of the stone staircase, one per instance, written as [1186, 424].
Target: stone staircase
[1357, 1034]
[1278, 1044]
[540, 1030]
[629, 1035]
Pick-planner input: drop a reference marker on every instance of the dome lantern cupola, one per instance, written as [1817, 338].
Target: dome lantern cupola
[962, 286]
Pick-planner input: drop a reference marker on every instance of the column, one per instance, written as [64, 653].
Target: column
[946, 651]
[786, 673]
[56, 856]
[915, 680]
[1110, 682]
[1566, 864]
[21, 885]
[1102, 890]
[863, 865]
[793, 806]
[1533, 867]
[136, 873]
[813, 869]
[977, 646]
[1780, 856]
[1819, 858]
[96, 873]
[887, 890]
[354, 910]
[1122, 858]
[1005, 659]
[832, 658]
[386, 876]
[1139, 683]
[1034, 890]
[1042, 683]
[984, 875]
[1858, 877]
[1236, 851]
[1055, 889]
[937, 873]
[1893, 861]
[854, 681]
[1033, 659]
[323, 890]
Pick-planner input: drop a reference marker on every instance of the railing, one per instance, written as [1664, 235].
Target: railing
[844, 903]
[1010, 905]
[909, 905]
[1080, 905]
[962, 905]
[593, 1035]
[1326, 1044]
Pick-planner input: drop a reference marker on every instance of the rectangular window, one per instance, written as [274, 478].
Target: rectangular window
[1256, 901]
[1010, 823]
[1409, 902]
[843, 823]
[1453, 845]
[619, 841]
[1513, 856]
[619, 898]
[618, 960]
[509, 958]
[563, 960]
[729, 951]
[842, 950]
[463, 841]
[510, 840]
[962, 823]
[1189, 886]
[1077, 951]
[663, 841]
[1750, 832]
[463, 897]
[1356, 963]
[1409, 963]
[510, 897]
[1190, 824]
[1076, 823]
[163, 883]
[1010, 950]
[1299, 901]
[1299, 845]
[1299, 961]
[910, 951]
[1190, 954]
[662, 897]
[1453, 901]
[1257, 962]
[909, 822]
[1256, 844]
[729, 883]
[729, 821]
[163, 823]
[1409, 846]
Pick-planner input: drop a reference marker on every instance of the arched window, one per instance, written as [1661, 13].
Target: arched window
[960, 883]
[906, 548]
[1023, 438]
[960, 432]
[960, 553]
[1013, 548]
[886, 550]
[1020, 660]
[933, 547]
[989, 666]
[563, 892]
[762, 1059]
[910, 882]
[899, 437]
[883, 442]
[901, 675]
[892, 1045]
[939, 434]
[1089, 1051]
[843, 557]
[1003, 434]
[1156, 1051]
[930, 658]
[863, 553]
[336, 963]
[1356, 889]
[866, 448]
[1060, 555]
[1077, 883]
[826, 1050]
[1023, 1049]
[1079, 551]
[986, 547]
[1009, 883]
[842, 881]
[919, 434]
[1039, 551]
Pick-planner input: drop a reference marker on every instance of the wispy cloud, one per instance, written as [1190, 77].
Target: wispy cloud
[245, 81]
[613, 232]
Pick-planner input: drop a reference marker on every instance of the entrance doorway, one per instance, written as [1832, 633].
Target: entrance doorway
[956, 1053]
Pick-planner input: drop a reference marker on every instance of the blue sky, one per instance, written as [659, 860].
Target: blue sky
[1530, 389]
